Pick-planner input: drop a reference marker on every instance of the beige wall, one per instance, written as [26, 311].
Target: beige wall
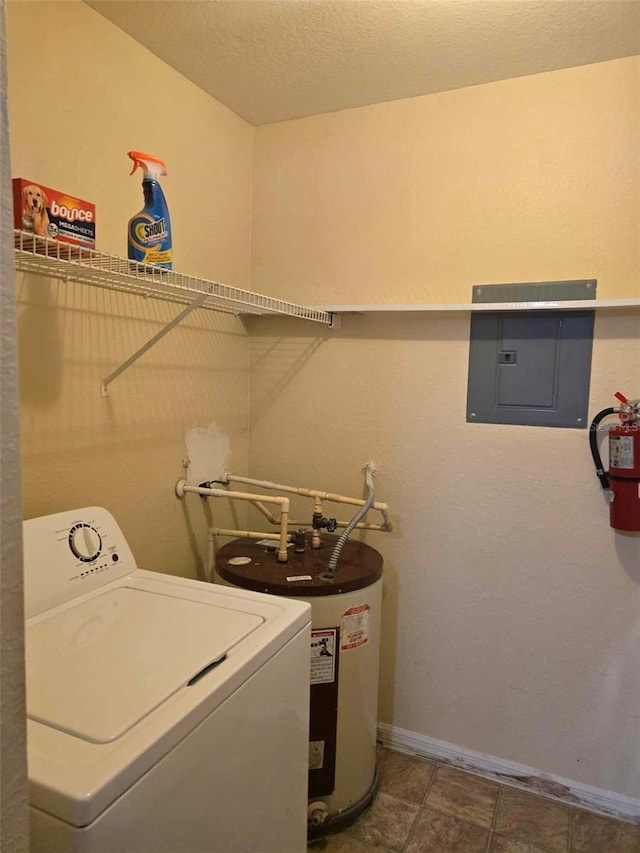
[533, 179]
[510, 621]
[511, 607]
[92, 95]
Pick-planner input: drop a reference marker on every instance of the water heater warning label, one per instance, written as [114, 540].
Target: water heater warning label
[323, 656]
[354, 627]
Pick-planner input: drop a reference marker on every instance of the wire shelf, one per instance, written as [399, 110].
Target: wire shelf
[43, 256]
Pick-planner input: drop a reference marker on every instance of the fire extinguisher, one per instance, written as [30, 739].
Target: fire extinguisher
[623, 477]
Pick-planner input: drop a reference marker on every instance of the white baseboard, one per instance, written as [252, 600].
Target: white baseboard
[529, 779]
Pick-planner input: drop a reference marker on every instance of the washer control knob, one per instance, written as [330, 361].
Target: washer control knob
[85, 542]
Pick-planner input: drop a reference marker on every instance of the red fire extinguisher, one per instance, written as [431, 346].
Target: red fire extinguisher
[623, 477]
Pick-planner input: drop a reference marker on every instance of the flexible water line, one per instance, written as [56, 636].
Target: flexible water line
[364, 509]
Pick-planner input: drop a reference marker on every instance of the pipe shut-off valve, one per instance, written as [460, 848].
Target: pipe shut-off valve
[319, 522]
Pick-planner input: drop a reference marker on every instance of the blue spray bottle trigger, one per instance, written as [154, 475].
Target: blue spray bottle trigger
[149, 232]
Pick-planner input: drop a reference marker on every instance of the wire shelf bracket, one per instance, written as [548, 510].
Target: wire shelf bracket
[104, 388]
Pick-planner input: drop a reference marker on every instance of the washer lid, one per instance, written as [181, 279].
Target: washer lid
[95, 669]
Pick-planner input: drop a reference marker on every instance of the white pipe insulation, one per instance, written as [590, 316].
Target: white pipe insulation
[182, 488]
[314, 493]
[259, 501]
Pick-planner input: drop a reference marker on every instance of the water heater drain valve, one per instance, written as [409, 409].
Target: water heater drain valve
[317, 813]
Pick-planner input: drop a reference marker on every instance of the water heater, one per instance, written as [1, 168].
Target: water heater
[343, 660]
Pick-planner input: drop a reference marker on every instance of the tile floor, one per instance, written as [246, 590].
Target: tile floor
[425, 807]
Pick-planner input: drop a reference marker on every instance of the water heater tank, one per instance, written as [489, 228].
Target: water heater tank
[344, 663]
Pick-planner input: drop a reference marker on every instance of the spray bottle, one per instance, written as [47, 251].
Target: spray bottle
[149, 236]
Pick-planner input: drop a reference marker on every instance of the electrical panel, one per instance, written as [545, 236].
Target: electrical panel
[531, 367]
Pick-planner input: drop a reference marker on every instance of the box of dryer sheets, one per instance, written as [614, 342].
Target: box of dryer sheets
[46, 212]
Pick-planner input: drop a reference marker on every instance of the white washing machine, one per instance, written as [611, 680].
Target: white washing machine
[165, 715]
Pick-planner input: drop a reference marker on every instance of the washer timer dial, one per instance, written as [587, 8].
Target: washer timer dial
[85, 542]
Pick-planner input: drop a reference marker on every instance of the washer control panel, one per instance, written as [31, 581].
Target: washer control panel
[85, 542]
[70, 553]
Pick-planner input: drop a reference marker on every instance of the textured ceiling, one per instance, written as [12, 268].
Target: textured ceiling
[272, 60]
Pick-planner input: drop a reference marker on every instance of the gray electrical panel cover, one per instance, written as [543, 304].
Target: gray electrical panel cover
[531, 367]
